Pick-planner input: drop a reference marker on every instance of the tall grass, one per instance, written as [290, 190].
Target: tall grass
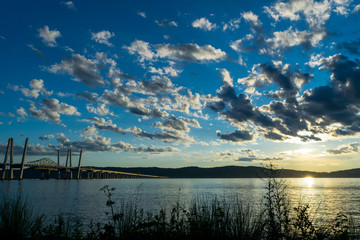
[215, 218]
[18, 219]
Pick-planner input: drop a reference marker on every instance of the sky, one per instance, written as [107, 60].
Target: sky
[183, 83]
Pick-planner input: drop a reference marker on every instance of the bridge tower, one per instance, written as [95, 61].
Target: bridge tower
[12, 166]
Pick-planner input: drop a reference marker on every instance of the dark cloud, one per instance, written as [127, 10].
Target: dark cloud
[180, 124]
[352, 47]
[91, 97]
[237, 136]
[149, 112]
[167, 136]
[337, 103]
[84, 70]
[275, 75]
[46, 137]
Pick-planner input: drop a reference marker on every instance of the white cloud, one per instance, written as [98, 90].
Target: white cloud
[52, 109]
[102, 37]
[70, 5]
[101, 109]
[204, 24]
[190, 52]
[36, 88]
[316, 13]
[141, 48]
[49, 36]
[142, 14]
[232, 25]
[21, 111]
[170, 71]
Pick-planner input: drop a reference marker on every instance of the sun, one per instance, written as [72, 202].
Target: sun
[309, 181]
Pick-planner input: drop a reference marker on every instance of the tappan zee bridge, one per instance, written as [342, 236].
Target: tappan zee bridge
[45, 166]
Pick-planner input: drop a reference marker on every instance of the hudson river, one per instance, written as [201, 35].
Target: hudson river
[326, 196]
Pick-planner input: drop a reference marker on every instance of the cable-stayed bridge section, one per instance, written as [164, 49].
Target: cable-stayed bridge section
[47, 165]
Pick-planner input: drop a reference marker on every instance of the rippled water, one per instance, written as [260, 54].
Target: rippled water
[326, 197]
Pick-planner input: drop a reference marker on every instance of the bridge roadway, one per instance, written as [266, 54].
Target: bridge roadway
[83, 173]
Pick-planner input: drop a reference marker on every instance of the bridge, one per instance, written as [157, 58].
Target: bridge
[47, 165]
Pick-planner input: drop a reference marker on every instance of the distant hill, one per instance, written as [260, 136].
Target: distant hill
[216, 172]
[234, 172]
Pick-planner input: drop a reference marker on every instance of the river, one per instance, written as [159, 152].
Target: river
[326, 196]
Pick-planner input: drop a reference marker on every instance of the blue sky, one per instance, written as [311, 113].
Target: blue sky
[183, 83]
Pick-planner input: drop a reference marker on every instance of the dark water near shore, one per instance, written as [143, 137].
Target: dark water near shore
[326, 196]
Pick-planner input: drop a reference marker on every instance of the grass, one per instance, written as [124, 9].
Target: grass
[201, 219]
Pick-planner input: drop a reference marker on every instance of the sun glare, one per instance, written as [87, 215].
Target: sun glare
[309, 181]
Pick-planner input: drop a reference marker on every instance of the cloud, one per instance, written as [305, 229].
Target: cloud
[102, 37]
[190, 52]
[36, 88]
[179, 124]
[91, 97]
[141, 48]
[70, 5]
[170, 71]
[167, 136]
[101, 109]
[46, 137]
[203, 24]
[166, 23]
[284, 40]
[352, 47]
[49, 36]
[82, 69]
[21, 111]
[148, 112]
[37, 51]
[102, 124]
[51, 110]
[232, 25]
[337, 103]
[343, 149]
[142, 14]
[236, 136]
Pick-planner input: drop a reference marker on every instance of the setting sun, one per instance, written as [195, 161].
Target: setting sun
[309, 181]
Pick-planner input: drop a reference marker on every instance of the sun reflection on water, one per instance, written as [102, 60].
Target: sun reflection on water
[309, 181]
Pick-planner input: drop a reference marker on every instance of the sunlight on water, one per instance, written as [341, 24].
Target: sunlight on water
[309, 181]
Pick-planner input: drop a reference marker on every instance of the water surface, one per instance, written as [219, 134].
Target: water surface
[326, 196]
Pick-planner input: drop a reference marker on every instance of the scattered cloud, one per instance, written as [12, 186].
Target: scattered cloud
[166, 23]
[36, 88]
[343, 149]
[102, 37]
[142, 14]
[51, 110]
[82, 69]
[70, 5]
[49, 36]
[203, 24]
[46, 137]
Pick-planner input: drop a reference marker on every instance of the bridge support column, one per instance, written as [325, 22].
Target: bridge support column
[78, 173]
[21, 177]
[11, 177]
[48, 174]
[5, 160]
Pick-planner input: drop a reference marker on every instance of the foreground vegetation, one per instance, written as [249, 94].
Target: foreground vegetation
[201, 219]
